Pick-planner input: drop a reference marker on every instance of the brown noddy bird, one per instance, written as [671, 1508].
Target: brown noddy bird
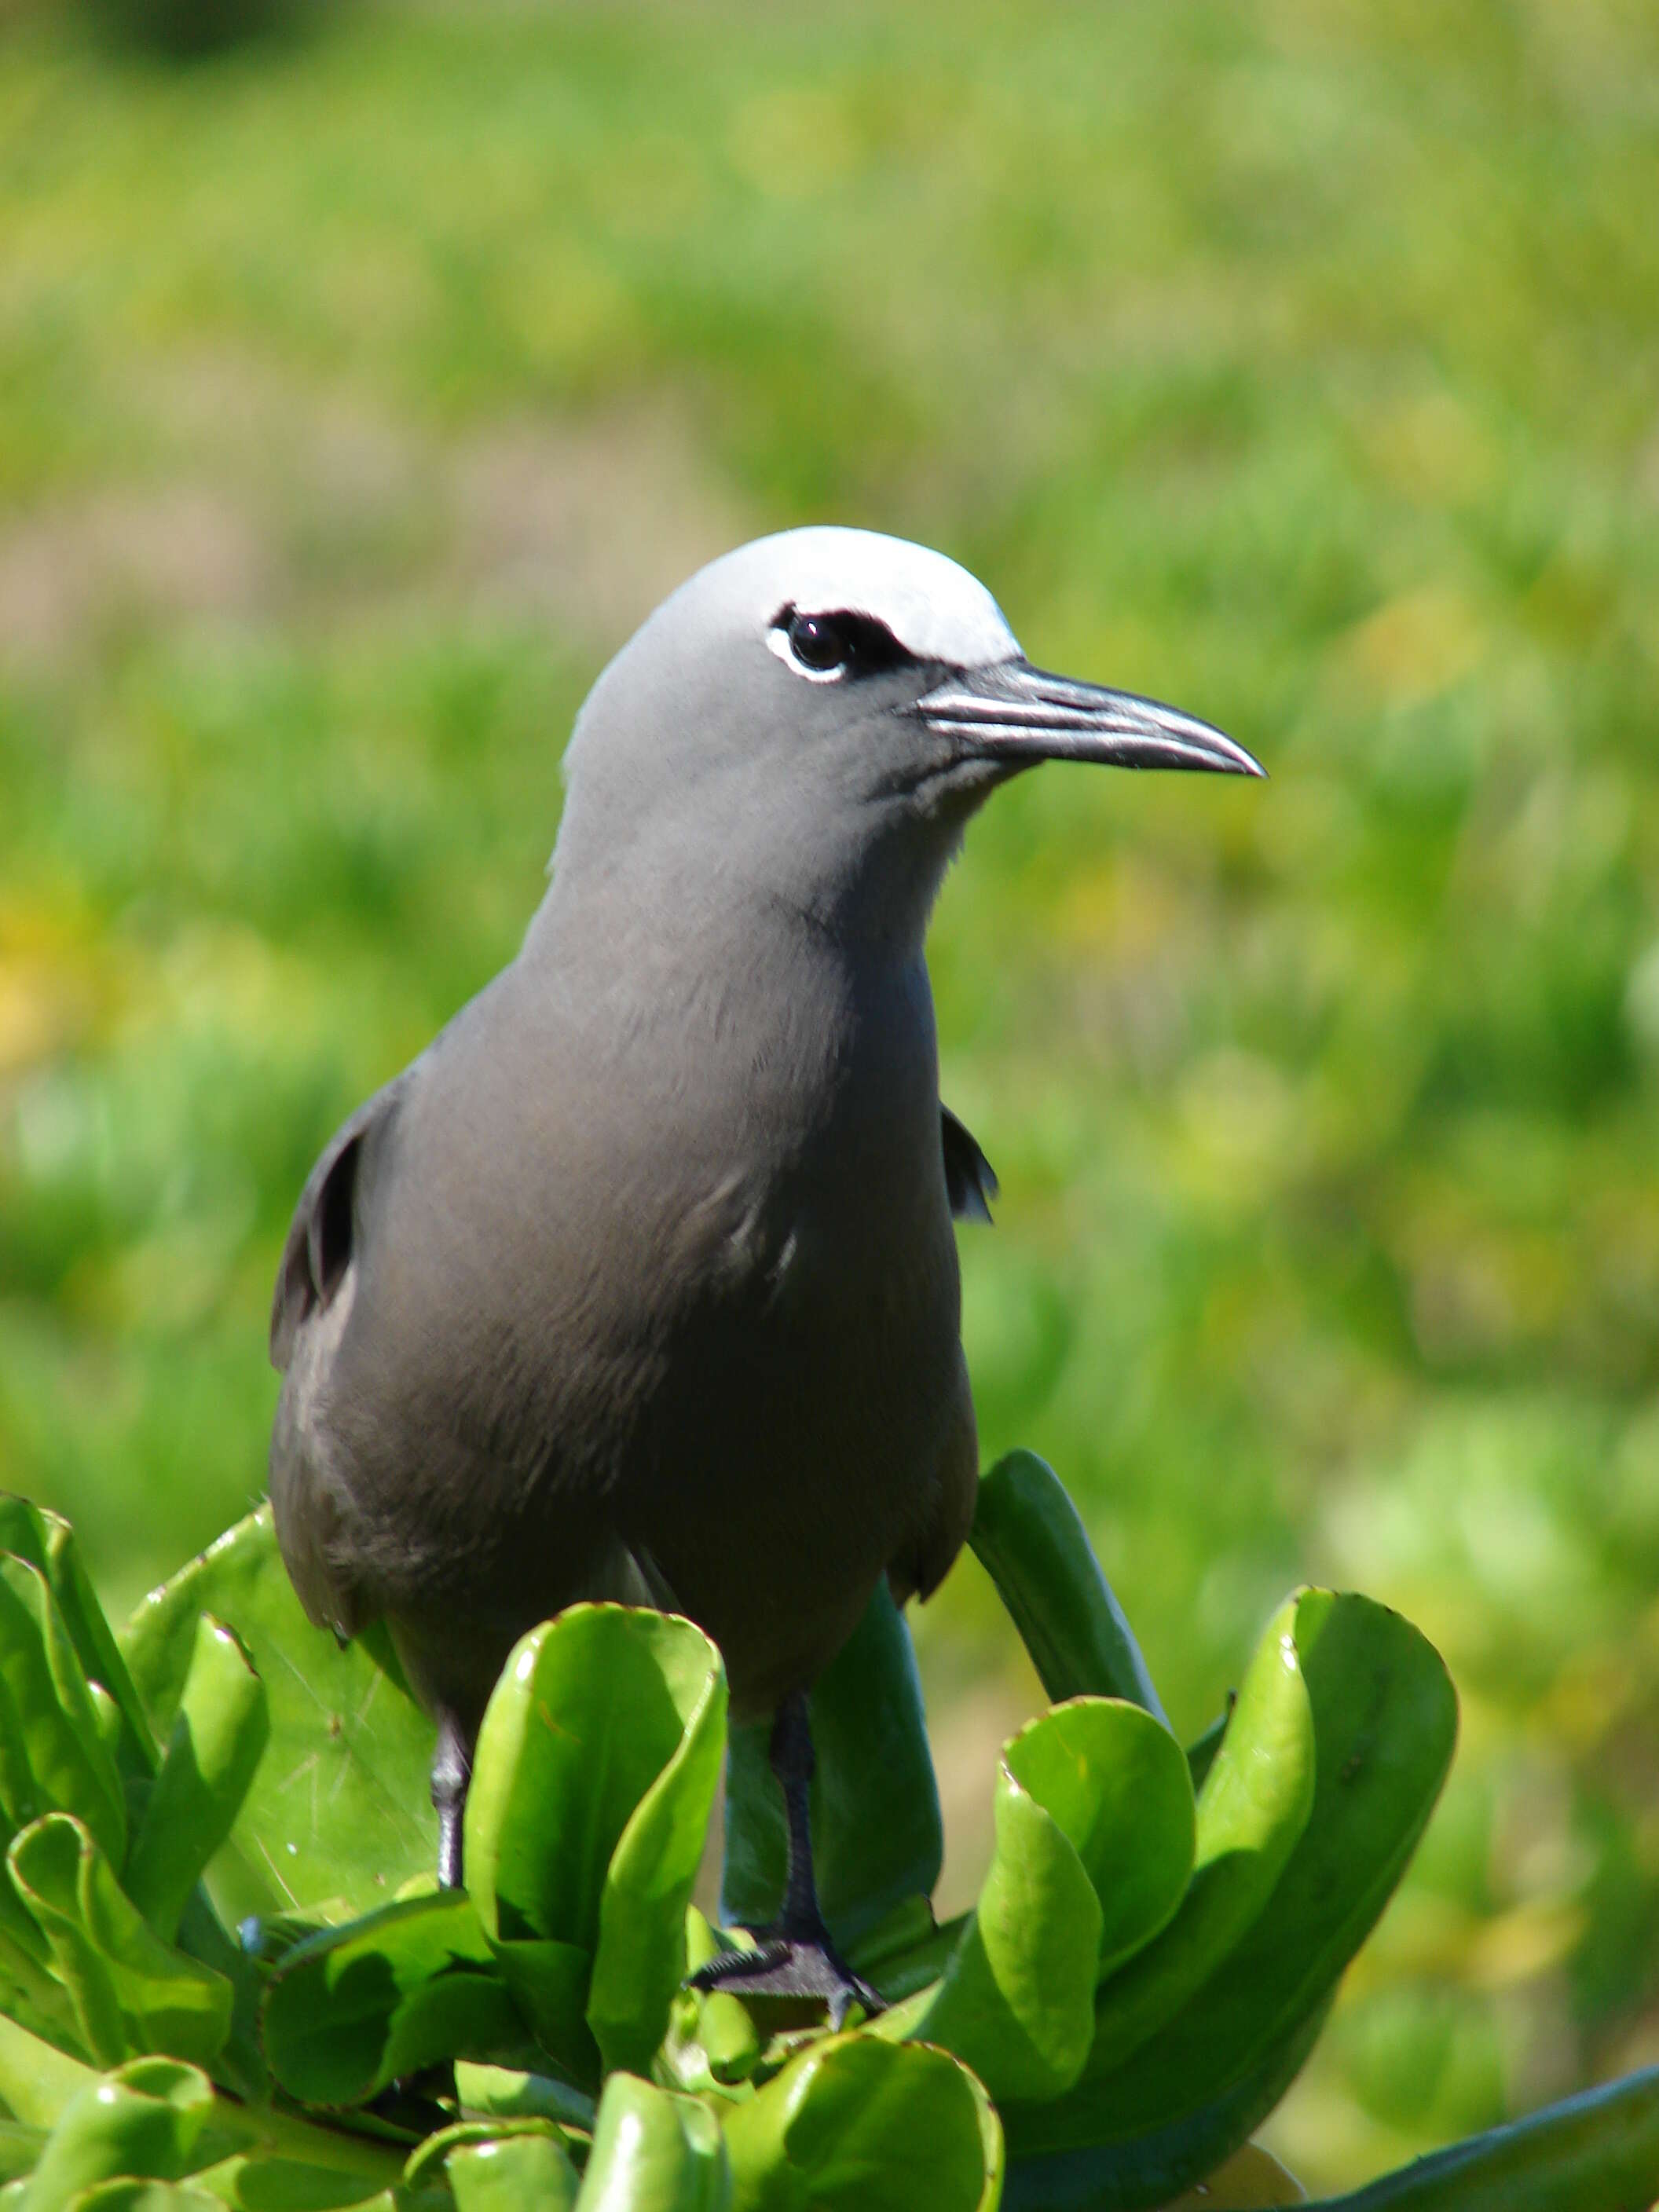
[640, 1283]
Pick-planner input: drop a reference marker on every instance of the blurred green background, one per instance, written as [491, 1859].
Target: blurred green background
[1297, 360]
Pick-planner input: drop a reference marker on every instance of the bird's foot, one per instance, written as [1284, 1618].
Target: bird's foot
[793, 1966]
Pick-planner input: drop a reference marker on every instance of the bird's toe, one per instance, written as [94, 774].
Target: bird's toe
[790, 1966]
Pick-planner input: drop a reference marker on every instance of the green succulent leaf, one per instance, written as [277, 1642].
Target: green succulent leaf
[218, 1737]
[640, 1956]
[21, 2147]
[52, 1754]
[37, 2079]
[486, 2156]
[261, 2182]
[144, 2120]
[31, 1996]
[1138, 2170]
[1139, 1981]
[855, 2125]
[47, 1543]
[507, 2092]
[1115, 1781]
[1015, 2002]
[654, 2151]
[519, 2172]
[1596, 2153]
[240, 2065]
[59, 1735]
[132, 1992]
[1384, 1718]
[592, 1787]
[354, 2008]
[1253, 1807]
[336, 1807]
[877, 1838]
[1094, 1847]
[1031, 1539]
[290, 2163]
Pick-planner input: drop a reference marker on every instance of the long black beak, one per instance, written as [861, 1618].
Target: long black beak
[1014, 712]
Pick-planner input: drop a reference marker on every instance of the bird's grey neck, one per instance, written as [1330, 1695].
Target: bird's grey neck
[672, 993]
[744, 963]
[860, 898]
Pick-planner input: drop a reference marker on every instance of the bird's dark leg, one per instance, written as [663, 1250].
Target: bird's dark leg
[795, 1762]
[796, 1957]
[451, 1770]
[409, 2101]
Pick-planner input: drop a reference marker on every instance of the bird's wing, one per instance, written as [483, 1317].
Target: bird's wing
[318, 1246]
[969, 1178]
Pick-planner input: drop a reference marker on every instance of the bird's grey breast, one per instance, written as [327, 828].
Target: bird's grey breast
[630, 1258]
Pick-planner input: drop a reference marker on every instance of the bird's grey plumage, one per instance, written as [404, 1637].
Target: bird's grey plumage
[640, 1281]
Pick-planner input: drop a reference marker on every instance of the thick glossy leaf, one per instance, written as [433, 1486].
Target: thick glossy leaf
[654, 2151]
[1384, 1719]
[48, 1543]
[1114, 1780]
[1596, 2153]
[591, 1791]
[53, 1755]
[877, 1835]
[260, 2182]
[338, 1806]
[239, 2065]
[295, 2165]
[1140, 2170]
[30, 1992]
[994, 2155]
[36, 2079]
[1094, 1847]
[355, 2007]
[218, 1737]
[514, 2173]
[21, 2147]
[428, 2161]
[146, 2120]
[132, 1992]
[549, 1981]
[858, 2125]
[56, 1752]
[640, 1956]
[1253, 1808]
[507, 2092]
[1028, 1537]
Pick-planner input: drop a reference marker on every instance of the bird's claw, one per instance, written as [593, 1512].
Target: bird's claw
[800, 1967]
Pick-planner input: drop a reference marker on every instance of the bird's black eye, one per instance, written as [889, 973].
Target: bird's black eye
[827, 646]
[817, 644]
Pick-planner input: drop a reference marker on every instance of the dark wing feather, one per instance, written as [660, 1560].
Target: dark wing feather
[969, 1178]
[318, 1246]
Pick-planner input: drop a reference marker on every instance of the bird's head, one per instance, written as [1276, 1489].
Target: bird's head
[817, 714]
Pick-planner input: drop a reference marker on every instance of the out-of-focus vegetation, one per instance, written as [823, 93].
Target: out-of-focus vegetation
[1295, 360]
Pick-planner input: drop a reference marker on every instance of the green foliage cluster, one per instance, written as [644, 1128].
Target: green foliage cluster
[1292, 359]
[1153, 1951]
